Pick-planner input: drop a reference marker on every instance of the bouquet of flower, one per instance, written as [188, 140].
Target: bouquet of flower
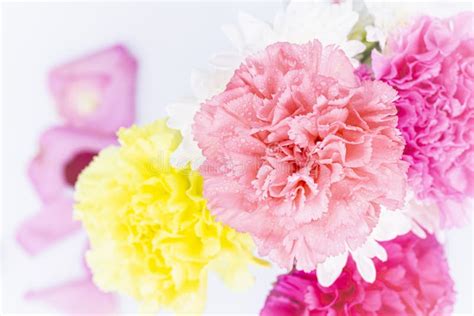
[336, 142]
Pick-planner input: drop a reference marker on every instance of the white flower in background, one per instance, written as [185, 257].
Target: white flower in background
[387, 17]
[298, 22]
[204, 85]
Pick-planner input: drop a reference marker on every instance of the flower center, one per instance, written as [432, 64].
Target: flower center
[75, 165]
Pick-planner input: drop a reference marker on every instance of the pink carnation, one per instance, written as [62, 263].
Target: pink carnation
[431, 64]
[301, 154]
[414, 281]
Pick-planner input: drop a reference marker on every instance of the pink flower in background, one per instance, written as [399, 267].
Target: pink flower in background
[301, 154]
[64, 151]
[431, 65]
[52, 223]
[77, 297]
[97, 92]
[414, 281]
[96, 96]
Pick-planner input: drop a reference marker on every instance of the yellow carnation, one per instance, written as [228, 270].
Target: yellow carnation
[152, 236]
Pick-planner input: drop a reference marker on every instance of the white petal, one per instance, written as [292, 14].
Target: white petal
[366, 268]
[206, 84]
[181, 114]
[328, 271]
[226, 60]
[256, 33]
[352, 48]
[424, 214]
[329, 23]
[441, 236]
[370, 249]
[234, 35]
[391, 224]
[374, 34]
[417, 230]
[187, 151]
[378, 251]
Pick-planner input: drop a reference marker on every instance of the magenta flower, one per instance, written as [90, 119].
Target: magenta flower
[414, 281]
[97, 92]
[363, 72]
[431, 65]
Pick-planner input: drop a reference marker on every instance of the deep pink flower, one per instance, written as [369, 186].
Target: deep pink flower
[431, 65]
[363, 72]
[414, 281]
[97, 92]
[301, 154]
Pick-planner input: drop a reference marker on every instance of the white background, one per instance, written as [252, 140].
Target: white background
[168, 39]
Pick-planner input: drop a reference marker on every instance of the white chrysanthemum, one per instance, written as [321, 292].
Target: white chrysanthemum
[299, 22]
[204, 85]
[387, 17]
